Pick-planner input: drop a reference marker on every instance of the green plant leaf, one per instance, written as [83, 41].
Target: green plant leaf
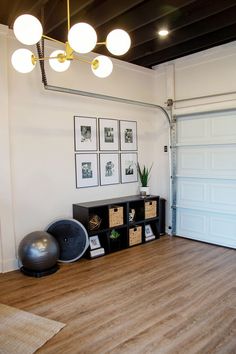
[144, 174]
[114, 235]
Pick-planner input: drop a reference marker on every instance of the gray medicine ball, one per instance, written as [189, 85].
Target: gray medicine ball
[38, 251]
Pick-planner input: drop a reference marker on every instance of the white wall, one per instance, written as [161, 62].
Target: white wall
[210, 72]
[38, 180]
[7, 237]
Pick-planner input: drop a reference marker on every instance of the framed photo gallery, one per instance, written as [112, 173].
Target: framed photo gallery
[105, 151]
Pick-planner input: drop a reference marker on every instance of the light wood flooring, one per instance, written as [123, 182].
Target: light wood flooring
[171, 295]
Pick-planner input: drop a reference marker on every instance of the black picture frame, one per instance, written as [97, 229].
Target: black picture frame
[94, 242]
[86, 176]
[129, 161]
[148, 230]
[85, 126]
[112, 126]
[128, 135]
[106, 161]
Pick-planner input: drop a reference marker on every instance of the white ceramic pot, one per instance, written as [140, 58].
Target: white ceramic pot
[144, 191]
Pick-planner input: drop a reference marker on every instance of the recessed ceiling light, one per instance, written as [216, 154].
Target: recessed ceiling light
[163, 32]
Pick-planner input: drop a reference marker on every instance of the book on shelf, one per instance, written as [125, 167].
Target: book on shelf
[149, 238]
[97, 252]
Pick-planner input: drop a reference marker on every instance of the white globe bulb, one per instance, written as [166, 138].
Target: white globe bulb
[27, 29]
[82, 37]
[59, 64]
[102, 66]
[118, 42]
[22, 60]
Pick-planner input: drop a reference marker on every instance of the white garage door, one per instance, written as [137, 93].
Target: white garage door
[206, 177]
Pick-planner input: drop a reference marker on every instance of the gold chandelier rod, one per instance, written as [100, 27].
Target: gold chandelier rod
[82, 60]
[52, 39]
[44, 58]
[68, 26]
[68, 15]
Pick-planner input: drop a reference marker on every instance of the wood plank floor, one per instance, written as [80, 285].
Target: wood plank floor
[172, 295]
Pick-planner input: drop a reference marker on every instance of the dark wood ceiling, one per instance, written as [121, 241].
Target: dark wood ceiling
[194, 25]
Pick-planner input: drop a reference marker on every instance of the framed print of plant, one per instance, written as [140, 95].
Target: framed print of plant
[129, 167]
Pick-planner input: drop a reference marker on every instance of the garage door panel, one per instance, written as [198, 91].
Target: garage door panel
[191, 192]
[207, 194]
[222, 226]
[191, 161]
[208, 161]
[206, 227]
[224, 160]
[207, 129]
[192, 130]
[223, 127]
[223, 195]
[191, 223]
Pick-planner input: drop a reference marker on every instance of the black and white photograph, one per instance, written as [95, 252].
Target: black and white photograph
[94, 242]
[85, 133]
[108, 134]
[109, 169]
[86, 166]
[128, 135]
[87, 171]
[129, 167]
[148, 230]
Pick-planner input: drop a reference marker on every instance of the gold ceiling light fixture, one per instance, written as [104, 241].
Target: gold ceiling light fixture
[81, 39]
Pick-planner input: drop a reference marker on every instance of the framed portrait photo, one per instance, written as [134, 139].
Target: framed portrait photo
[86, 167]
[94, 242]
[129, 167]
[109, 169]
[148, 230]
[128, 135]
[108, 134]
[85, 133]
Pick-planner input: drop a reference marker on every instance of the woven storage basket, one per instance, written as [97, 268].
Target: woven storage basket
[116, 216]
[150, 209]
[135, 235]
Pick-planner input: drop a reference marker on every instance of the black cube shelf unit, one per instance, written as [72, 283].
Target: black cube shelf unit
[114, 214]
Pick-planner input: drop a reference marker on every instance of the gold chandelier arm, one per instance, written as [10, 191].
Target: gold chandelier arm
[82, 60]
[52, 39]
[94, 63]
[46, 58]
[34, 59]
[68, 15]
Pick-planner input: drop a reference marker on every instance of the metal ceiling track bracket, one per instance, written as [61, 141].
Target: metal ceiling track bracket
[107, 98]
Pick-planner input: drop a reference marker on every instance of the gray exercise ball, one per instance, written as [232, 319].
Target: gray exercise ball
[38, 251]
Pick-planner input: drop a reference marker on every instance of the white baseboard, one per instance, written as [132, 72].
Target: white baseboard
[9, 265]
